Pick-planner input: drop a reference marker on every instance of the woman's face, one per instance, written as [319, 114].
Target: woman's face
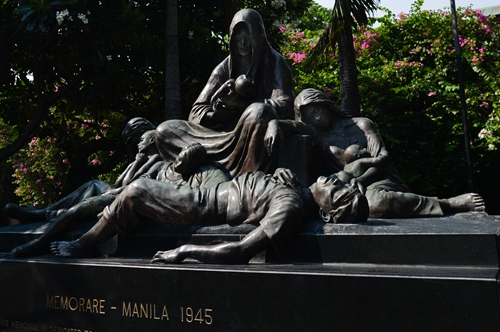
[316, 114]
[242, 42]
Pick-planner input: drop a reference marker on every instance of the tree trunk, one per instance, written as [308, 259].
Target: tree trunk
[349, 90]
[172, 82]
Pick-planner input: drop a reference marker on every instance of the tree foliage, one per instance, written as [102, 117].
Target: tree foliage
[409, 88]
[89, 63]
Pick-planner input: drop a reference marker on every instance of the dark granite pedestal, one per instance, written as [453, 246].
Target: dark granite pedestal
[432, 274]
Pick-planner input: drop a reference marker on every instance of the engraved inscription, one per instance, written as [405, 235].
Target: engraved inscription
[24, 325]
[190, 315]
[30, 326]
[145, 310]
[71, 303]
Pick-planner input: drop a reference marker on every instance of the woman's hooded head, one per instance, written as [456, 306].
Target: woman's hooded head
[314, 96]
[250, 21]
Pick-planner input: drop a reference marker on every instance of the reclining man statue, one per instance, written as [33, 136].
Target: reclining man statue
[188, 169]
[274, 203]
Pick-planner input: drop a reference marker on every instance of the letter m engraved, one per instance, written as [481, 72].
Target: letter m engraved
[126, 309]
[64, 303]
[49, 303]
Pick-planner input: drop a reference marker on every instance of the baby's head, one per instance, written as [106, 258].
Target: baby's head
[244, 87]
[354, 152]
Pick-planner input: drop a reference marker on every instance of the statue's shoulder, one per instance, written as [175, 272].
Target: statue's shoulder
[222, 69]
[365, 124]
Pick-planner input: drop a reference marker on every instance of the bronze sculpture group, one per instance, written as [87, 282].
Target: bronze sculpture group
[222, 166]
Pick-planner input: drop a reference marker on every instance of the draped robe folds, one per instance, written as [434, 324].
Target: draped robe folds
[238, 151]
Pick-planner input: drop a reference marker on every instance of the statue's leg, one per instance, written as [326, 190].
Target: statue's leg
[24, 214]
[89, 189]
[86, 190]
[85, 246]
[395, 204]
[79, 213]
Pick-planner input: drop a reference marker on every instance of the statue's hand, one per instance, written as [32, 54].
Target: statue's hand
[286, 177]
[141, 157]
[355, 182]
[274, 137]
[224, 90]
[232, 100]
[167, 257]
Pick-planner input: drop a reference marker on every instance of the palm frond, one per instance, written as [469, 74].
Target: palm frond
[346, 15]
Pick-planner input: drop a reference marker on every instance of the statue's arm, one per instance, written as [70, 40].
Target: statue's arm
[131, 169]
[370, 176]
[119, 181]
[239, 252]
[145, 167]
[375, 145]
[291, 127]
[202, 111]
[283, 93]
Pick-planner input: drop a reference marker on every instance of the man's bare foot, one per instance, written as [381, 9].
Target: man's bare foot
[31, 248]
[465, 203]
[71, 249]
[167, 257]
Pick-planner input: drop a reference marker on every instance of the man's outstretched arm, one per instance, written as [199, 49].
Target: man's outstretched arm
[239, 252]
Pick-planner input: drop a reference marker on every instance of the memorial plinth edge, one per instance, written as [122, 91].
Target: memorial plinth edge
[466, 239]
[412, 275]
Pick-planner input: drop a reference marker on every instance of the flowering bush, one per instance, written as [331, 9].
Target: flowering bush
[39, 171]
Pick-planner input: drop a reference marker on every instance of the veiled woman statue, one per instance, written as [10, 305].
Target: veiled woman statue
[252, 86]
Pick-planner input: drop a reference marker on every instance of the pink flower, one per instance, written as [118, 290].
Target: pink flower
[484, 104]
[297, 57]
[432, 93]
[462, 41]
